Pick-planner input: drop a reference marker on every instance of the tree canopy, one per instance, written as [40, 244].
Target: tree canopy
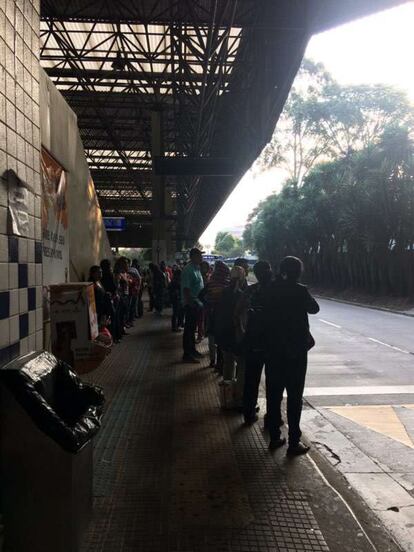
[348, 206]
[228, 245]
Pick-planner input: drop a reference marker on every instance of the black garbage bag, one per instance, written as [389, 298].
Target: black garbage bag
[59, 403]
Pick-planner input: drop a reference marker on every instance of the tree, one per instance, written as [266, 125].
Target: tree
[323, 120]
[351, 220]
[228, 245]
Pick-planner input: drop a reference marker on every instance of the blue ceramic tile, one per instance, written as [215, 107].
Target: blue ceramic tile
[4, 305]
[24, 325]
[31, 298]
[13, 249]
[22, 275]
[9, 353]
[38, 252]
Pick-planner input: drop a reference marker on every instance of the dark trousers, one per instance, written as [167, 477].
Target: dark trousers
[285, 372]
[177, 317]
[132, 308]
[190, 324]
[255, 360]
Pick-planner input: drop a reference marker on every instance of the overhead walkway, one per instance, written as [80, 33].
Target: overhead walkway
[174, 473]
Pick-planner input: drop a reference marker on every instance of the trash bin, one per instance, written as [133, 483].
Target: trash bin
[47, 422]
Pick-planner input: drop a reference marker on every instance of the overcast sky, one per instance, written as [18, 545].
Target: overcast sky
[376, 49]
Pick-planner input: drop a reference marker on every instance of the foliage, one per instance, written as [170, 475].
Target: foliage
[228, 245]
[143, 256]
[347, 207]
[323, 120]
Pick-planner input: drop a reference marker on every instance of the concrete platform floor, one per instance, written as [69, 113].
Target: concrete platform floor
[175, 474]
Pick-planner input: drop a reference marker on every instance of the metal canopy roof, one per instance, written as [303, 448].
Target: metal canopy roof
[218, 70]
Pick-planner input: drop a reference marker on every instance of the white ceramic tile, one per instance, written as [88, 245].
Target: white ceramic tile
[31, 227]
[30, 251]
[24, 346]
[39, 319]
[14, 329]
[4, 333]
[31, 274]
[22, 250]
[39, 275]
[4, 276]
[3, 220]
[4, 248]
[32, 342]
[23, 306]
[14, 302]
[38, 229]
[38, 206]
[39, 300]
[30, 203]
[39, 340]
[32, 322]
[13, 276]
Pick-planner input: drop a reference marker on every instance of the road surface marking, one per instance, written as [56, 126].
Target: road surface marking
[389, 346]
[366, 390]
[330, 323]
[381, 419]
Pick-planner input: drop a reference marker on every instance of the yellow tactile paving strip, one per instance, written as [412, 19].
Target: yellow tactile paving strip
[380, 418]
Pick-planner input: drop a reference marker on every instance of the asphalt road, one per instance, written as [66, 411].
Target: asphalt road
[362, 352]
[359, 408]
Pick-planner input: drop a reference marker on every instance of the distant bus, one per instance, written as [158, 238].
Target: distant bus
[229, 260]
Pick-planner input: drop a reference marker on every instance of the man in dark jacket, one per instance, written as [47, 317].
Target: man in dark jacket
[255, 339]
[287, 342]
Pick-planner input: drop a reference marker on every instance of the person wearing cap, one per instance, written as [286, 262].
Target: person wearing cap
[288, 340]
[191, 286]
[230, 327]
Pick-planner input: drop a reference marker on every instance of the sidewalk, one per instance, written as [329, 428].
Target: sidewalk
[174, 474]
[359, 303]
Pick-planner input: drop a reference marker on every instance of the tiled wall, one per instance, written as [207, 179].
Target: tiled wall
[21, 325]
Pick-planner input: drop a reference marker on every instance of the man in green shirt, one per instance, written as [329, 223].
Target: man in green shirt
[191, 285]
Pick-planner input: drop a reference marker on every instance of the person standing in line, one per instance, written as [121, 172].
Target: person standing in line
[244, 264]
[134, 286]
[255, 339]
[174, 289]
[159, 284]
[288, 340]
[218, 282]
[230, 329]
[122, 286]
[191, 286]
[201, 321]
[110, 285]
[139, 311]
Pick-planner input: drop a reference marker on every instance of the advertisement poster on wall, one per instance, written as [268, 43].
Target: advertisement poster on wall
[55, 232]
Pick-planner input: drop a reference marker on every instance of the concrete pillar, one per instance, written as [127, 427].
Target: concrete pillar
[159, 230]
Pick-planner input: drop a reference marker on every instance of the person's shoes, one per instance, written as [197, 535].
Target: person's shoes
[277, 443]
[250, 420]
[196, 354]
[297, 450]
[190, 360]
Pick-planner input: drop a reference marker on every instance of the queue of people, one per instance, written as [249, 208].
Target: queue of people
[119, 294]
[251, 328]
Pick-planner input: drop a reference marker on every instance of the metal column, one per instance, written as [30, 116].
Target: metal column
[159, 242]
